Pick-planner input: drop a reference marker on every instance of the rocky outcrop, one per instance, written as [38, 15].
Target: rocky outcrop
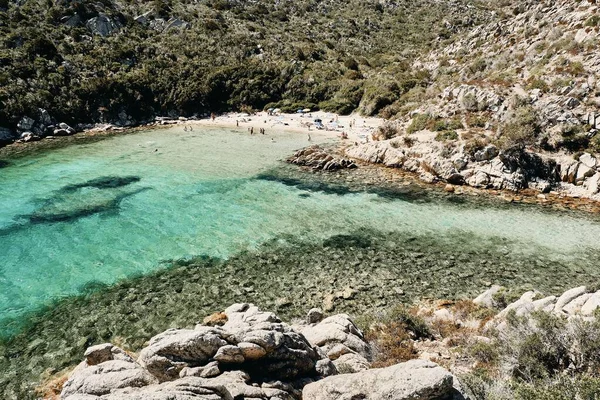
[103, 25]
[40, 125]
[341, 341]
[319, 159]
[576, 303]
[249, 354]
[487, 168]
[252, 354]
[414, 380]
[7, 136]
[251, 340]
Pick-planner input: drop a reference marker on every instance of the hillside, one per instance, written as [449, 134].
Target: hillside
[128, 61]
[528, 78]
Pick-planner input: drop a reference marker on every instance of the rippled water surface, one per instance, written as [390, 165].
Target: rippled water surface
[120, 207]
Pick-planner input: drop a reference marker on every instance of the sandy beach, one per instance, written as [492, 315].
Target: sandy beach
[356, 127]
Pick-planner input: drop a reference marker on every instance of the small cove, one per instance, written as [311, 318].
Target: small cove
[192, 193]
[106, 238]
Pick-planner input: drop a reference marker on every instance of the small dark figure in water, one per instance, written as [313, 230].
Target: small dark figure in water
[309, 137]
[191, 128]
[252, 130]
[185, 128]
[237, 123]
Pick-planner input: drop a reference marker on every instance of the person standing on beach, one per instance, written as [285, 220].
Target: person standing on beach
[212, 116]
[252, 130]
[237, 123]
[309, 137]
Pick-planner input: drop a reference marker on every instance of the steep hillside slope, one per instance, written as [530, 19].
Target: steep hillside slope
[529, 78]
[127, 61]
[513, 104]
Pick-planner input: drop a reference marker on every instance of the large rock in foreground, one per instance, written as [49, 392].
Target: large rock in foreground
[414, 380]
[252, 355]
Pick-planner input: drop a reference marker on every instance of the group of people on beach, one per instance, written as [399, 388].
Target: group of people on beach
[260, 130]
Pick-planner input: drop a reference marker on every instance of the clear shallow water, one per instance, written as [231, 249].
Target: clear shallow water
[66, 221]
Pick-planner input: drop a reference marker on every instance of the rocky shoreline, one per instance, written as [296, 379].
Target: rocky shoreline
[359, 173]
[244, 352]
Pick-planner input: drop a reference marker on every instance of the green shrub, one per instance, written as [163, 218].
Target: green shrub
[522, 129]
[447, 124]
[418, 123]
[446, 135]
[593, 21]
[386, 131]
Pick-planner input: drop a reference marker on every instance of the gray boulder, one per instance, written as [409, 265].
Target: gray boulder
[486, 299]
[101, 379]
[175, 349]
[103, 25]
[63, 130]
[414, 380]
[337, 330]
[26, 124]
[229, 385]
[7, 135]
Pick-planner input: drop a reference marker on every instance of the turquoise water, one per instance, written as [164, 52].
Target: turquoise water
[123, 206]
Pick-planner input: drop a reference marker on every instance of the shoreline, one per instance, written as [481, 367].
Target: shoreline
[288, 122]
[361, 130]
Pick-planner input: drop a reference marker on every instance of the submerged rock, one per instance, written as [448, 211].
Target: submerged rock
[76, 201]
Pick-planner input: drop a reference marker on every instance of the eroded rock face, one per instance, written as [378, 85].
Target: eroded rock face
[103, 25]
[175, 349]
[252, 355]
[319, 159]
[414, 380]
[101, 379]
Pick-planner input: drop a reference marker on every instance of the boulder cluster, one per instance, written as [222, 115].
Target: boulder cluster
[320, 159]
[488, 168]
[579, 302]
[35, 127]
[246, 353]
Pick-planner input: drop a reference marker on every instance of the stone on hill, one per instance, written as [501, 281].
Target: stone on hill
[169, 352]
[414, 380]
[486, 299]
[546, 304]
[574, 306]
[103, 25]
[7, 136]
[105, 352]
[101, 379]
[314, 316]
[591, 304]
[337, 329]
[569, 296]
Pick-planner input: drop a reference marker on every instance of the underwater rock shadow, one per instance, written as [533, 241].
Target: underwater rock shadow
[42, 215]
[104, 182]
[71, 202]
[409, 194]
